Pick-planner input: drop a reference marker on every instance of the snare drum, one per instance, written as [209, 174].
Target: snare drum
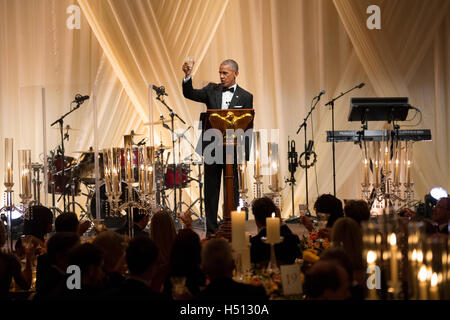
[181, 176]
[55, 175]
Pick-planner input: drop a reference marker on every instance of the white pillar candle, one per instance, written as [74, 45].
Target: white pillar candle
[273, 229]
[238, 229]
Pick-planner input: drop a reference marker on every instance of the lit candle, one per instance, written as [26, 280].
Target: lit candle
[371, 258]
[377, 182]
[423, 283]
[115, 179]
[242, 182]
[396, 173]
[386, 160]
[107, 181]
[8, 176]
[257, 147]
[150, 179]
[142, 178]
[129, 165]
[25, 189]
[394, 267]
[408, 173]
[434, 293]
[414, 271]
[366, 174]
[238, 229]
[273, 229]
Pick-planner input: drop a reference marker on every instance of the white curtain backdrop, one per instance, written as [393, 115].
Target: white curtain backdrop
[288, 51]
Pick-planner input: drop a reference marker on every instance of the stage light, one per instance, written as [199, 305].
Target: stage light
[432, 198]
[438, 193]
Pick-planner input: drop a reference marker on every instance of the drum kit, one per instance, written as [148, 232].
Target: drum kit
[66, 176]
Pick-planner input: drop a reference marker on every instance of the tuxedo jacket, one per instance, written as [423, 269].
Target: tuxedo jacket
[211, 96]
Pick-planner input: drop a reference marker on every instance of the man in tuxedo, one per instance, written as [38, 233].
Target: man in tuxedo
[226, 95]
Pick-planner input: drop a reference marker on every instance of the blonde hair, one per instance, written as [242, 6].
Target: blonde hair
[163, 233]
[347, 233]
[113, 246]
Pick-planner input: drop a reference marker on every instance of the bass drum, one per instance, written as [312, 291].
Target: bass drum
[113, 223]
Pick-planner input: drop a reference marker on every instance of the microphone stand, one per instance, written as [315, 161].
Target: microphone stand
[304, 125]
[61, 129]
[160, 97]
[331, 102]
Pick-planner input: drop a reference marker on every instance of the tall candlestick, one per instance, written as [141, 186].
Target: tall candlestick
[242, 176]
[366, 174]
[396, 173]
[246, 263]
[238, 229]
[274, 177]
[273, 229]
[408, 173]
[257, 154]
[8, 178]
[377, 182]
[142, 178]
[394, 267]
[115, 179]
[150, 179]
[386, 160]
[107, 181]
[129, 165]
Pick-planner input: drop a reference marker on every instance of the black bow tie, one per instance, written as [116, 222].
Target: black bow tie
[231, 89]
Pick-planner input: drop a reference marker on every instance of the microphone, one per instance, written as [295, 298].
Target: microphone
[362, 84]
[160, 91]
[80, 99]
[321, 93]
[141, 143]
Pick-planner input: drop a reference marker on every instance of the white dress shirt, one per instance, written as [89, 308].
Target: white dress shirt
[227, 96]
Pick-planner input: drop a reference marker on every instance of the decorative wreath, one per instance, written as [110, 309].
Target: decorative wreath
[310, 164]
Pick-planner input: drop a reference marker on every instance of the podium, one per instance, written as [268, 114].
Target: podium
[227, 121]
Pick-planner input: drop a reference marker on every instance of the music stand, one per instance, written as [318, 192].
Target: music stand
[378, 109]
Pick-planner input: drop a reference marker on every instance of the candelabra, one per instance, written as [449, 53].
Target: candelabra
[113, 176]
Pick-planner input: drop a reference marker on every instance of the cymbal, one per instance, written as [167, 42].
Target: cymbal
[84, 151]
[162, 147]
[66, 128]
[159, 122]
[134, 134]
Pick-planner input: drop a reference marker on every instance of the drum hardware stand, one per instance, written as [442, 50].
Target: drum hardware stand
[200, 219]
[78, 100]
[293, 164]
[37, 167]
[160, 91]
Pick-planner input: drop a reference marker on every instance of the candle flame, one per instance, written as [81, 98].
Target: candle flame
[386, 150]
[423, 274]
[396, 161]
[409, 162]
[273, 214]
[9, 165]
[393, 239]
[420, 256]
[114, 170]
[371, 257]
[434, 279]
[414, 255]
[150, 168]
[365, 161]
[142, 167]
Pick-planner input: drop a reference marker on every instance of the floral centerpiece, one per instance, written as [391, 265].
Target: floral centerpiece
[271, 281]
[312, 246]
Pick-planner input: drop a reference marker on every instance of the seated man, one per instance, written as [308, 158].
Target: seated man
[141, 255]
[287, 251]
[89, 259]
[327, 280]
[68, 222]
[58, 247]
[441, 214]
[218, 265]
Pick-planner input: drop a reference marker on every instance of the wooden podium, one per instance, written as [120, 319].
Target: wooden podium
[226, 120]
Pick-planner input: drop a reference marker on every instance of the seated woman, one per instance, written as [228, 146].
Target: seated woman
[185, 262]
[163, 234]
[287, 251]
[10, 268]
[330, 206]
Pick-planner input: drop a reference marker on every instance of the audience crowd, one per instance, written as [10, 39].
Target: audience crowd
[165, 264]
